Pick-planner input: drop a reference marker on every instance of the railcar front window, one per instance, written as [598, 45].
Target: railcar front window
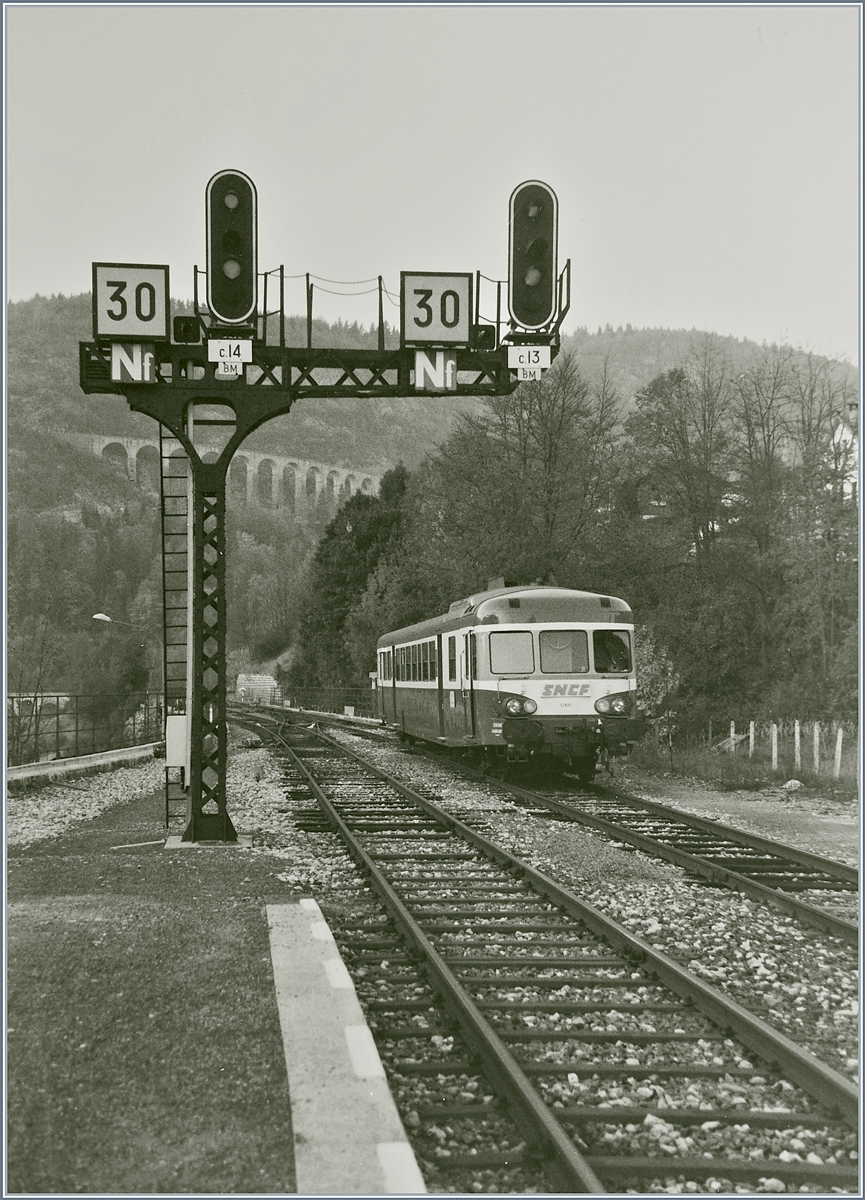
[612, 650]
[564, 651]
[512, 653]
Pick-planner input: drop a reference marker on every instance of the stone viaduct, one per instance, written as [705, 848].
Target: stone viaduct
[254, 477]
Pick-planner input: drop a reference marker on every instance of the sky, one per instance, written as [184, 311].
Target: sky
[706, 158]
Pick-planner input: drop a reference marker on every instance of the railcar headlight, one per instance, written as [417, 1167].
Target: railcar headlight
[517, 706]
[617, 704]
[529, 705]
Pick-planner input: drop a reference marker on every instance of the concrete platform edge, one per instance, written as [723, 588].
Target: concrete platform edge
[349, 1139]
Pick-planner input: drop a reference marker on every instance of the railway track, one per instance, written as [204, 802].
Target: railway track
[718, 854]
[620, 1068]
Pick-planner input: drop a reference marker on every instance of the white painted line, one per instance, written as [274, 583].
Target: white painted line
[132, 845]
[363, 1053]
[337, 973]
[401, 1174]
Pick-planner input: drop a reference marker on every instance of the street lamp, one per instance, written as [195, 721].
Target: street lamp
[114, 621]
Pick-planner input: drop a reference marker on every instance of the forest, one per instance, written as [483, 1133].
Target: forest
[723, 508]
[710, 483]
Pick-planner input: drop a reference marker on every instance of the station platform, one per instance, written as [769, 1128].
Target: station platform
[181, 1023]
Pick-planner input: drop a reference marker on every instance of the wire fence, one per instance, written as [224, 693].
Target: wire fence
[817, 747]
[44, 726]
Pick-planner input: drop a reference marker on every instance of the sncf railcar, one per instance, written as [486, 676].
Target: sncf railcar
[533, 674]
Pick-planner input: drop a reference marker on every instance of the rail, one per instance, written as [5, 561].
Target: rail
[346, 702]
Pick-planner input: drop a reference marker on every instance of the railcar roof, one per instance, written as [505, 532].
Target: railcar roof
[517, 605]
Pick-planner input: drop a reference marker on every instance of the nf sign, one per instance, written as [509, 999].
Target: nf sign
[130, 302]
[133, 362]
[435, 308]
[437, 373]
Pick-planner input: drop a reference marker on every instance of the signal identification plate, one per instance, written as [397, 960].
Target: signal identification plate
[531, 357]
[229, 350]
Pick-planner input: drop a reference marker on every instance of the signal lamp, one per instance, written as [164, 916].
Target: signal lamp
[232, 247]
[533, 250]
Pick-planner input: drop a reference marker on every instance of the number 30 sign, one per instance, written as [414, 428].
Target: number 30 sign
[436, 309]
[130, 302]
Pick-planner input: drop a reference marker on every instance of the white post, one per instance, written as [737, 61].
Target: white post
[839, 741]
[751, 740]
[774, 746]
[732, 737]
[816, 747]
[797, 746]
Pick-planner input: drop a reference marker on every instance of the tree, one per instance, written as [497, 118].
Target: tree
[346, 556]
[517, 490]
[680, 432]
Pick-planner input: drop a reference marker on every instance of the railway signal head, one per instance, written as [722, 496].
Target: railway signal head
[232, 247]
[532, 255]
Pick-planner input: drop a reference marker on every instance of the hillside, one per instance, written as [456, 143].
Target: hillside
[43, 394]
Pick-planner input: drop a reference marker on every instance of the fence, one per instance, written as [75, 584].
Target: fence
[355, 702]
[817, 747]
[41, 726]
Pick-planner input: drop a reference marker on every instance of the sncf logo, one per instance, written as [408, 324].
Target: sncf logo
[565, 689]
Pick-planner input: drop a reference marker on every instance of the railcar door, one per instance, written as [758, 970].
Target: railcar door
[468, 663]
[440, 686]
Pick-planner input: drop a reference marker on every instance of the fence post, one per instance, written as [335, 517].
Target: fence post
[839, 741]
[797, 746]
[816, 747]
[774, 746]
[732, 737]
[751, 740]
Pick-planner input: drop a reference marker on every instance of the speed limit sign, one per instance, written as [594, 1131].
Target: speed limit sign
[130, 302]
[435, 308]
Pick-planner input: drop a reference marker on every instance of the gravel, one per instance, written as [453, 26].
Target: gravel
[802, 982]
[47, 811]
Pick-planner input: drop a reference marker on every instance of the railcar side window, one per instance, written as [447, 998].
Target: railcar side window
[564, 651]
[433, 661]
[424, 661]
[512, 653]
[452, 659]
[612, 650]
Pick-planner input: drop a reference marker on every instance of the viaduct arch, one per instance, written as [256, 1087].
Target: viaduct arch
[254, 477]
